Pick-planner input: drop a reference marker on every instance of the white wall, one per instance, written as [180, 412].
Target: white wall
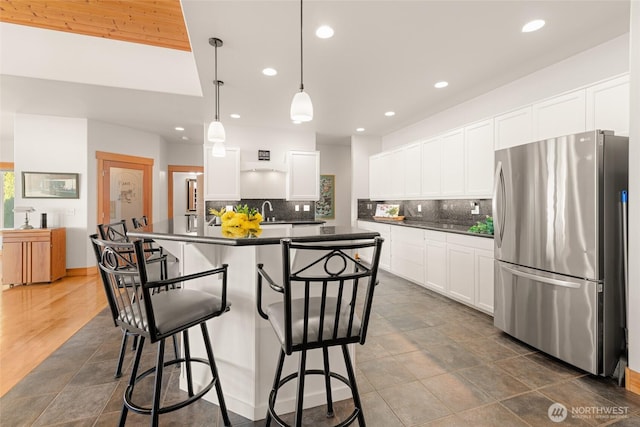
[601, 62]
[55, 144]
[186, 154]
[361, 148]
[336, 160]
[6, 150]
[634, 190]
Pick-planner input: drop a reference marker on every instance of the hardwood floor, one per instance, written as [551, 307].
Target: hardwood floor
[37, 319]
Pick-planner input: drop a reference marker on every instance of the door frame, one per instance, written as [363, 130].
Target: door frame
[179, 168]
[146, 165]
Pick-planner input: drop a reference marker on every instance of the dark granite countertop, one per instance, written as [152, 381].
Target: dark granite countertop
[268, 236]
[426, 225]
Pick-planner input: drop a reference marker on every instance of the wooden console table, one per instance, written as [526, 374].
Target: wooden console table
[33, 256]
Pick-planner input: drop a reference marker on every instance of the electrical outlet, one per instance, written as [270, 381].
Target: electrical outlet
[476, 209]
[297, 208]
[228, 208]
[419, 208]
[70, 212]
[306, 208]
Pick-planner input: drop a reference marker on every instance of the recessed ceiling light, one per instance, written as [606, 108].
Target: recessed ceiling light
[185, 138]
[234, 116]
[269, 72]
[390, 113]
[360, 130]
[324, 32]
[179, 128]
[534, 25]
[441, 84]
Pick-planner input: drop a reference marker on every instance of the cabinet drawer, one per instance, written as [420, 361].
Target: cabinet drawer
[437, 236]
[471, 241]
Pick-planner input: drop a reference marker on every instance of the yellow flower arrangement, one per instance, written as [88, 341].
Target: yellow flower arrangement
[243, 222]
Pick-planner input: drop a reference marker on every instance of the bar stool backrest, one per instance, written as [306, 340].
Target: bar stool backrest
[330, 290]
[114, 232]
[140, 222]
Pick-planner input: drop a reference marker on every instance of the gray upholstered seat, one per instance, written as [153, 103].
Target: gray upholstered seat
[276, 315]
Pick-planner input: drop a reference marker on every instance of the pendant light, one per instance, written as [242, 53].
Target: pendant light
[215, 132]
[301, 106]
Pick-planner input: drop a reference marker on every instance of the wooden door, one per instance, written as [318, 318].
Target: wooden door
[124, 187]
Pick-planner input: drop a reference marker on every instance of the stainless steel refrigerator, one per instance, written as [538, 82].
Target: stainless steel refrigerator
[558, 246]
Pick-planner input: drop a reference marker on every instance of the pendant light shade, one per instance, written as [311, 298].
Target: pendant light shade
[301, 106]
[215, 132]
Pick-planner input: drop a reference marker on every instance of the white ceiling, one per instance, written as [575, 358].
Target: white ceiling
[385, 55]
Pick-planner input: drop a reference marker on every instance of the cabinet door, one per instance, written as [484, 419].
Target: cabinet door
[303, 180]
[436, 265]
[461, 272]
[40, 261]
[12, 263]
[513, 128]
[222, 175]
[479, 154]
[484, 280]
[431, 167]
[407, 253]
[608, 106]
[560, 115]
[413, 171]
[375, 177]
[452, 171]
[396, 174]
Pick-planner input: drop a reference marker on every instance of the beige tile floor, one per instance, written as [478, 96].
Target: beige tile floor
[428, 361]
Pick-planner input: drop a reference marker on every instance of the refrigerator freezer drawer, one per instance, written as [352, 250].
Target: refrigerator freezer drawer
[556, 314]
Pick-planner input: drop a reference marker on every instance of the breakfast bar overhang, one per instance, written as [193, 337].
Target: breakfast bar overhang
[244, 344]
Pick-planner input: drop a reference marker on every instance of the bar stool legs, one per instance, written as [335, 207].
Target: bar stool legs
[327, 381]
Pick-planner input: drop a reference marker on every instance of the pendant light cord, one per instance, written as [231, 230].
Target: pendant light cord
[217, 83]
[301, 54]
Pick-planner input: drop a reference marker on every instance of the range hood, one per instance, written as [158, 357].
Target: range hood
[263, 166]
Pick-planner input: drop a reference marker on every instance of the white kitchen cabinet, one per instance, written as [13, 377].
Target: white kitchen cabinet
[608, 105]
[407, 253]
[461, 272]
[222, 175]
[303, 176]
[560, 115]
[413, 171]
[484, 261]
[452, 172]
[385, 232]
[395, 175]
[513, 128]
[379, 171]
[431, 168]
[479, 155]
[436, 261]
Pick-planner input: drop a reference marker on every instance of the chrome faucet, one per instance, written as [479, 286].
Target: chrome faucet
[266, 202]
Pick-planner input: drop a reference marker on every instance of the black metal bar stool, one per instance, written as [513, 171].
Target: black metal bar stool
[337, 292]
[157, 316]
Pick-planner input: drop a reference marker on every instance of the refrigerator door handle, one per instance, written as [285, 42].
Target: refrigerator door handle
[537, 278]
[499, 211]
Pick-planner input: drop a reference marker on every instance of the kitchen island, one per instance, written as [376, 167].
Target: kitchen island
[244, 344]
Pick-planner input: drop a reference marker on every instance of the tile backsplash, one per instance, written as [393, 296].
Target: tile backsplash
[443, 211]
[282, 209]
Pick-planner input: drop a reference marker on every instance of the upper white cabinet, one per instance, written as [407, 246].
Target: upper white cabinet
[560, 115]
[513, 128]
[479, 155]
[431, 167]
[452, 172]
[395, 174]
[303, 176]
[608, 106]
[379, 183]
[413, 171]
[222, 175]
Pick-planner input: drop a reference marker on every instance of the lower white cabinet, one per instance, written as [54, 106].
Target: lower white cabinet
[407, 253]
[385, 233]
[460, 270]
[436, 261]
[483, 261]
